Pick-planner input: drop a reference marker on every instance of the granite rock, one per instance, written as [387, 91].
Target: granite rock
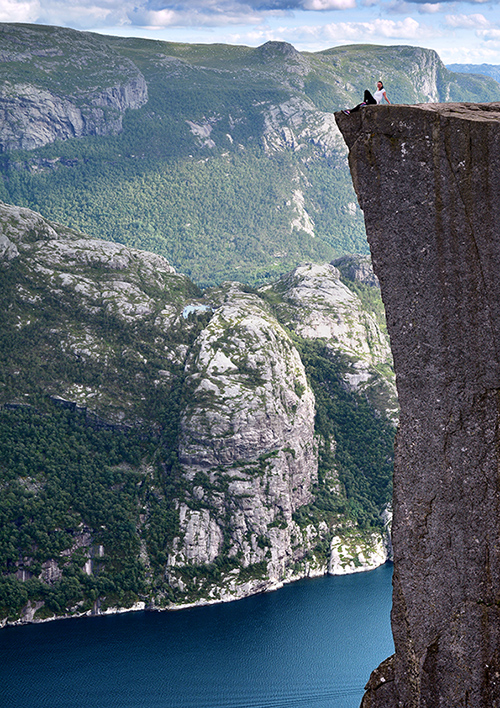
[427, 180]
[77, 86]
[317, 304]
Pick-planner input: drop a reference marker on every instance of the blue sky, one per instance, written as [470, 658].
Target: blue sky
[461, 32]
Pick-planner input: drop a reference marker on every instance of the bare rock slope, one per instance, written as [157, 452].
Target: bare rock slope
[75, 85]
[427, 179]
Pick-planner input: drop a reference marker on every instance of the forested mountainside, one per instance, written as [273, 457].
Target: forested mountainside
[226, 160]
[163, 445]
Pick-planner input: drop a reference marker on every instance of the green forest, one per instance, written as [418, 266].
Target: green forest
[224, 218]
[233, 168]
[230, 165]
[64, 473]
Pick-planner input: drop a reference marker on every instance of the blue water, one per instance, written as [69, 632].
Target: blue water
[312, 644]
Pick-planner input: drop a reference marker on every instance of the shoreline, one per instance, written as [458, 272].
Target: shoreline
[142, 606]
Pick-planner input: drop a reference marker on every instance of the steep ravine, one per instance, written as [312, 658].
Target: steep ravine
[427, 180]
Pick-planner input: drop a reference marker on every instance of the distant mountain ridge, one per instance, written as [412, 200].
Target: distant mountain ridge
[492, 70]
[50, 92]
[224, 159]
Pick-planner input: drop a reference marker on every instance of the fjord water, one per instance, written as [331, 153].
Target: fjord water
[311, 644]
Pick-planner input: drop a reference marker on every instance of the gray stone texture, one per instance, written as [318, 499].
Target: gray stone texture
[428, 180]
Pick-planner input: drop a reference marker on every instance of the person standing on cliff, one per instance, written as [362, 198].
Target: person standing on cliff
[370, 100]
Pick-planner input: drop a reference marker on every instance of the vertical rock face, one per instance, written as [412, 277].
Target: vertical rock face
[248, 427]
[58, 84]
[427, 179]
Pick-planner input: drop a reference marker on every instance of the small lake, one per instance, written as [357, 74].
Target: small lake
[311, 644]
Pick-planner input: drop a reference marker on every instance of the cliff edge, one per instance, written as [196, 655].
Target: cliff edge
[428, 182]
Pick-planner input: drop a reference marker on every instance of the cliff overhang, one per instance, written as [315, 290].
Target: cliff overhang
[427, 179]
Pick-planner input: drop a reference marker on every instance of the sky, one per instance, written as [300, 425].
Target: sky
[465, 32]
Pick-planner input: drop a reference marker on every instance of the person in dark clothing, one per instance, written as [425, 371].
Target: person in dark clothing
[368, 100]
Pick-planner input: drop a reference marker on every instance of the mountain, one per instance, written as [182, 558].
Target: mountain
[491, 70]
[162, 446]
[226, 160]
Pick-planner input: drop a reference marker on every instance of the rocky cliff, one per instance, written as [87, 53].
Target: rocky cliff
[66, 92]
[165, 446]
[427, 181]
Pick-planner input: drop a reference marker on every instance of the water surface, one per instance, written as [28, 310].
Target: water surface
[312, 644]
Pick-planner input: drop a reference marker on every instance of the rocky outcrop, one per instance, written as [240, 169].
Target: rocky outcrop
[31, 117]
[248, 429]
[316, 304]
[216, 382]
[76, 86]
[355, 552]
[357, 268]
[297, 123]
[427, 181]
[330, 310]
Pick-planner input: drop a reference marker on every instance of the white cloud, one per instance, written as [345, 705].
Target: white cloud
[147, 13]
[329, 4]
[377, 29]
[483, 54]
[14, 11]
[152, 19]
[82, 15]
[490, 35]
[474, 21]
[430, 8]
[199, 14]
[150, 14]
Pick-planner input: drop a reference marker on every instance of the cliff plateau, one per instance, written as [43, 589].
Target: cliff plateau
[427, 182]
